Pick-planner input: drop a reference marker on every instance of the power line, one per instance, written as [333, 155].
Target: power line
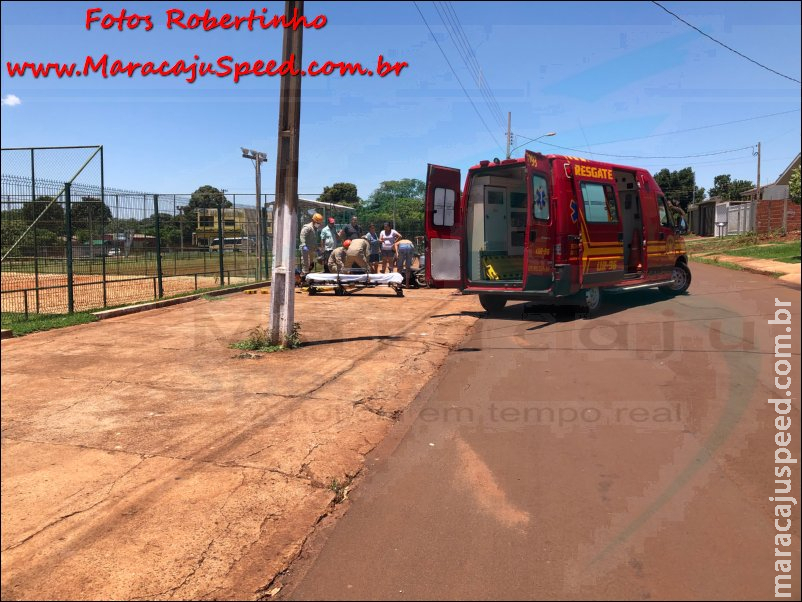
[482, 82]
[724, 45]
[703, 127]
[474, 70]
[575, 150]
[455, 73]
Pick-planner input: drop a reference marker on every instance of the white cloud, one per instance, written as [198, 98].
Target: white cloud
[10, 100]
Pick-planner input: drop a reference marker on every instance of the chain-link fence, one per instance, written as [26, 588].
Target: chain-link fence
[70, 243]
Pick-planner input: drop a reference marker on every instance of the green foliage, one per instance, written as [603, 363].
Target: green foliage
[793, 186]
[680, 186]
[53, 218]
[11, 228]
[728, 189]
[169, 227]
[400, 198]
[259, 340]
[408, 188]
[341, 193]
[206, 197]
[90, 212]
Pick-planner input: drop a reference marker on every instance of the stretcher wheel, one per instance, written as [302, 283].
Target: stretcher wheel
[399, 292]
[339, 291]
[312, 290]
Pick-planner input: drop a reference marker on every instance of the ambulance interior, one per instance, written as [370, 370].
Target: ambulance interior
[496, 226]
[631, 221]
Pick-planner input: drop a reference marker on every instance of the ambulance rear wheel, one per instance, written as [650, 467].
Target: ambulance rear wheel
[492, 303]
[681, 275]
[592, 300]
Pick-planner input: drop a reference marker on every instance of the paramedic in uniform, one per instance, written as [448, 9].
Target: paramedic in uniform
[309, 243]
[337, 258]
[358, 253]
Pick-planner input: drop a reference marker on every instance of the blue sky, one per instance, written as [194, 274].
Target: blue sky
[609, 78]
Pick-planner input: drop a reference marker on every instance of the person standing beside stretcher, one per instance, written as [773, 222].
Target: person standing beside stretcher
[358, 253]
[404, 251]
[388, 238]
[309, 243]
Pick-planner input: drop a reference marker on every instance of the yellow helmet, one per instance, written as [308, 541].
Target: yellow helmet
[317, 218]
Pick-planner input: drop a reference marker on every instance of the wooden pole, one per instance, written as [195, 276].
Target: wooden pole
[285, 224]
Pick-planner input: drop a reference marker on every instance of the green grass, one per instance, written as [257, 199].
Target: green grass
[173, 264]
[19, 325]
[259, 340]
[723, 243]
[730, 266]
[786, 252]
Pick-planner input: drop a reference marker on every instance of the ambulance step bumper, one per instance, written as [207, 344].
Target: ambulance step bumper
[634, 287]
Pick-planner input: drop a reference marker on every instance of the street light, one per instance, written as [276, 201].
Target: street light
[258, 158]
[528, 140]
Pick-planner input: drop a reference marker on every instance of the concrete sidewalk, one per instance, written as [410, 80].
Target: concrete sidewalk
[790, 271]
[142, 458]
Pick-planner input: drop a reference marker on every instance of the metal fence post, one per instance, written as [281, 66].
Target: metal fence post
[221, 240]
[103, 251]
[263, 234]
[35, 241]
[158, 246]
[68, 228]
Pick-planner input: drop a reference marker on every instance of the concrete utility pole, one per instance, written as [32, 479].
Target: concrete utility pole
[285, 221]
[509, 133]
[258, 158]
[757, 194]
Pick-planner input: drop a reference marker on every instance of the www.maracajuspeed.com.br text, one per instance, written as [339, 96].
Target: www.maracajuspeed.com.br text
[224, 66]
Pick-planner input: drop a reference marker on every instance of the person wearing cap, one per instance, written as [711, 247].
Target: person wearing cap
[309, 243]
[328, 242]
[358, 254]
[336, 262]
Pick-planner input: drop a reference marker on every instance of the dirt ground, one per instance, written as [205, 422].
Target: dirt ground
[143, 458]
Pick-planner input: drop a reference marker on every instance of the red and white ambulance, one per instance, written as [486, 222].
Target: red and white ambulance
[546, 227]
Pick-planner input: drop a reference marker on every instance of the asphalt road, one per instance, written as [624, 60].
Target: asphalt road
[630, 456]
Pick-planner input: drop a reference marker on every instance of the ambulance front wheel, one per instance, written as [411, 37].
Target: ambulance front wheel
[681, 276]
[492, 303]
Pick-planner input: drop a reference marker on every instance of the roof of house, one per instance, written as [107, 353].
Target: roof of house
[786, 175]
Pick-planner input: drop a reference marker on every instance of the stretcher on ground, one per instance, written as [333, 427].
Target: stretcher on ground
[346, 283]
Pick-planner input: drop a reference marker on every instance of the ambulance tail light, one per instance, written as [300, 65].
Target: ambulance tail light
[568, 250]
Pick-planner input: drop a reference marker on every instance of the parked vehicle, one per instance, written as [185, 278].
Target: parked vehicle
[237, 244]
[551, 227]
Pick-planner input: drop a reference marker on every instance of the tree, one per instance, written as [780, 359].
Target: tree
[206, 197]
[679, 186]
[52, 220]
[169, 228]
[90, 210]
[399, 201]
[793, 186]
[728, 189]
[341, 193]
[408, 188]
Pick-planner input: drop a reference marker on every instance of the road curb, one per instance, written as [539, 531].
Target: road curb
[6, 334]
[133, 309]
